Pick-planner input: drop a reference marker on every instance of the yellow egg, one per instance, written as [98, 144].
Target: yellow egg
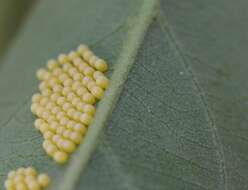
[103, 82]
[68, 146]
[76, 137]
[30, 171]
[86, 118]
[9, 184]
[82, 48]
[63, 58]
[36, 97]
[43, 180]
[21, 186]
[101, 65]
[97, 92]
[33, 185]
[52, 64]
[89, 98]
[60, 157]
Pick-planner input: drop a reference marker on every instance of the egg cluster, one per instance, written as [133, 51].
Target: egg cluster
[65, 106]
[26, 179]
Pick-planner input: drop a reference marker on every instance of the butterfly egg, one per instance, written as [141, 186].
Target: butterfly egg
[55, 138]
[55, 109]
[90, 85]
[77, 77]
[48, 135]
[80, 128]
[52, 64]
[70, 112]
[97, 74]
[72, 71]
[57, 88]
[33, 185]
[20, 171]
[38, 123]
[19, 178]
[67, 66]
[50, 105]
[43, 85]
[90, 109]
[59, 143]
[93, 59]
[66, 90]
[75, 101]
[63, 58]
[44, 127]
[73, 55]
[61, 100]
[53, 81]
[34, 107]
[81, 91]
[76, 115]
[66, 133]
[53, 126]
[21, 186]
[82, 48]
[57, 71]
[46, 92]
[66, 106]
[12, 174]
[86, 118]
[70, 96]
[42, 74]
[44, 100]
[88, 98]
[68, 146]
[60, 157]
[101, 65]
[45, 115]
[76, 85]
[39, 111]
[51, 118]
[36, 97]
[81, 66]
[60, 130]
[88, 71]
[43, 180]
[9, 184]
[86, 80]
[62, 77]
[30, 171]
[64, 120]
[102, 82]
[54, 97]
[68, 82]
[87, 54]
[97, 92]
[76, 137]
[77, 61]
[29, 178]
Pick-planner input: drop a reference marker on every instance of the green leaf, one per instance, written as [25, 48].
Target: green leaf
[11, 15]
[179, 122]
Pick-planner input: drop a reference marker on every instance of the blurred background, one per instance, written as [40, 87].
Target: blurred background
[12, 13]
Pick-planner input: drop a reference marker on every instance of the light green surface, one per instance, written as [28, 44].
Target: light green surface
[180, 121]
[11, 16]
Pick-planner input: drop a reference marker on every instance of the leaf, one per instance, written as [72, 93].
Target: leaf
[179, 122]
[11, 14]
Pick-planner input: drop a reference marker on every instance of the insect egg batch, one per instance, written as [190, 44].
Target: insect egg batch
[26, 179]
[69, 89]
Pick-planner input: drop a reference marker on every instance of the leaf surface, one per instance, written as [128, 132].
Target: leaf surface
[11, 15]
[180, 119]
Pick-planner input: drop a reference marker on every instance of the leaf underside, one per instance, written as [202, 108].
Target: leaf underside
[180, 121]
